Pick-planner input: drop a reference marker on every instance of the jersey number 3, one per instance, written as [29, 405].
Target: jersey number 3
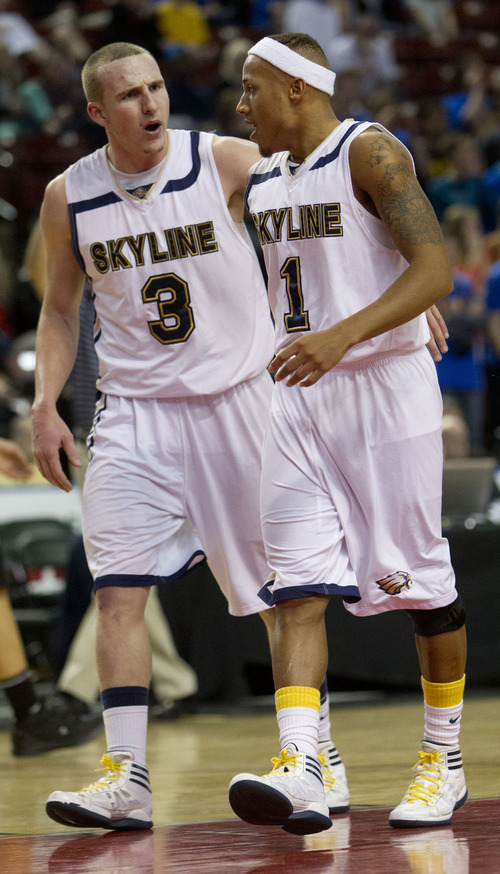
[171, 295]
[297, 318]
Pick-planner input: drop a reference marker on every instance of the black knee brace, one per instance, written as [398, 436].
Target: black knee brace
[427, 623]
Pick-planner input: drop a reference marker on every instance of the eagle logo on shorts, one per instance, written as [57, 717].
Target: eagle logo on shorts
[393, 584]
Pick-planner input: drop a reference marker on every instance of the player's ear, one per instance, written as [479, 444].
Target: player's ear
[96, 113]
[297, 88]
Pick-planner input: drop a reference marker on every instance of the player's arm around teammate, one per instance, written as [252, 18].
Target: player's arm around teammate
[234, 158]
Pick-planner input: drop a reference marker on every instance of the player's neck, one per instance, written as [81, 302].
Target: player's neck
[136, 163]
[309, 137]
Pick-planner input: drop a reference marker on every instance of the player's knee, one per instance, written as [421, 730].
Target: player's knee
[307, 610]
[121, 604]
[428, 623]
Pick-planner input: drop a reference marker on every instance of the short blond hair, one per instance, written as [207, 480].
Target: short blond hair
[114, 51]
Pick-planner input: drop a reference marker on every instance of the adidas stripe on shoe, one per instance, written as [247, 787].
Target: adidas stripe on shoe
[119, 800]
[334, 778]
[437, 789]
[292, 795]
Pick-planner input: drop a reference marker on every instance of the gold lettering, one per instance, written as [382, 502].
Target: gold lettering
[293, 233]
[206, 238]
[137, 246]
[156, 254]
[186, 241]
[99, 257]
[331, 220]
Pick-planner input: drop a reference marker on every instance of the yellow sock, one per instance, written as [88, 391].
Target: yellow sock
[297, 696]
[443, 705]
[297, 711]
[443, 694]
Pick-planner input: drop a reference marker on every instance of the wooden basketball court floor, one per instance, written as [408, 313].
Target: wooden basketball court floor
[192, 761]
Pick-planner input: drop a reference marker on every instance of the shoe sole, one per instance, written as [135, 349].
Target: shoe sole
[259, 804]
[339, 808]
[74, 815]
[423, 823]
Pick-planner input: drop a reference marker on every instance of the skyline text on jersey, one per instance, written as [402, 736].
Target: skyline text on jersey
[315, 220]
[129, 251]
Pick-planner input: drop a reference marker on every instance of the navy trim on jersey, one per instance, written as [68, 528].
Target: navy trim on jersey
[86, 206]
[141, 580]
[94, 202]
[332, 156]
[350, 594]
[257, 178]
[191, 177]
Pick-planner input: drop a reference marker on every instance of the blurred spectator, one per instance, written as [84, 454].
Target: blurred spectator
[467, 107]
[17, 33]
[65, 33]
[436, 19]
[398, 117]
[461, 370]
[228, 88]
[265, 15]
[462, 225]
[39, 725]
[182, 24]
[133, 21]
[322, 19]
[59, 75]
[428, 146]
[463, 181]
[348, 99]
[492, 361]
[25, 107]
[456, 440]
[365, 48]
[190, 58]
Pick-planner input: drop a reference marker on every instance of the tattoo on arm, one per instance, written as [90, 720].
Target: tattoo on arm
[403, 205]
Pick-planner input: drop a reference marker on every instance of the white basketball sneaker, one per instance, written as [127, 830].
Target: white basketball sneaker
[334, 778]
[292, 795]
[437, 789]
[119, 800]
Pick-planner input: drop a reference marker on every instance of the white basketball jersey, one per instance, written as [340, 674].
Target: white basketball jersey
[180, 300]
[326, 256]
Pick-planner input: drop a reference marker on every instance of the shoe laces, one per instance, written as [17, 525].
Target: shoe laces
[113, 769]
[427, 782]
[329, 780]
[286, 760]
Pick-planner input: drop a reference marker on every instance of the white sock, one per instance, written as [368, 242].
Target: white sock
[126, 730]
[442, 724]
[324, 719]
[299, 725]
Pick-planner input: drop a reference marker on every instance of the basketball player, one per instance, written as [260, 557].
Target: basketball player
[184, 337]
[352, 459]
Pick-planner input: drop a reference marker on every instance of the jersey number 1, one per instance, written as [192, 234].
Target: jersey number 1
[297, 318]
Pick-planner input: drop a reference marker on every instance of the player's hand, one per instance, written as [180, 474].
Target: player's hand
[13, 460]
[437, 345]
[308, 358]
[50, 435]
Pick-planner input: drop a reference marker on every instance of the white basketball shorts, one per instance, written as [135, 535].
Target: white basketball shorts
[172, 480]
[351, 488]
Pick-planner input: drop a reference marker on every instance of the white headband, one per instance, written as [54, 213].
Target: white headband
[291, 62]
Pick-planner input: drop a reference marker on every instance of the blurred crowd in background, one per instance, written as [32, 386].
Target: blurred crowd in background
[428, 70]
